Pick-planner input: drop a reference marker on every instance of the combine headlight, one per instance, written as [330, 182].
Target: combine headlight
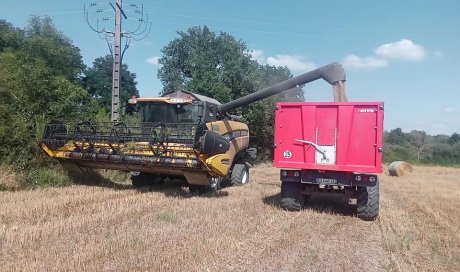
[284, 173]
[358, 178]
[296, 174]
[372, 179]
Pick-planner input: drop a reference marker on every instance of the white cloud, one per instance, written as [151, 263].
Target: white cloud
[294, 63]
[401, 50]
[450, 109]
[154, 61]
[258, 55]
[353, 61]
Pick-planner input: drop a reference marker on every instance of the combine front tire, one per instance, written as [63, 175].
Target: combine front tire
[240, 175]
[290, 196]
[368, 202]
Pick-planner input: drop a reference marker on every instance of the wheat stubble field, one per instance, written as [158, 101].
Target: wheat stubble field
[107, 227]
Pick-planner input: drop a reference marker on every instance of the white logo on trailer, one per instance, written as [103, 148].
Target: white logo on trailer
[366, 110]
[287, 154]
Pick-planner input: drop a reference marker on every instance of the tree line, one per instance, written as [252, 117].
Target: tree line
[43, 78]
[419, 147]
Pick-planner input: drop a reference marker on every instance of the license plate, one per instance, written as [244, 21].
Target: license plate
[326, 181]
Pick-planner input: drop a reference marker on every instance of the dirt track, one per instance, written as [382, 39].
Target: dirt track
[117, 228]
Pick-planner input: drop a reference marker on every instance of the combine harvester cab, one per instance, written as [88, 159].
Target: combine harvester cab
[331, 147]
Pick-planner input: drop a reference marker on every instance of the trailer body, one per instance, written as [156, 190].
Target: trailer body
[349, 132]
[329, 147]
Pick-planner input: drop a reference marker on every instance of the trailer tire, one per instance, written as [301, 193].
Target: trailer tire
[368, 202]
[239, 175]
[290, 196]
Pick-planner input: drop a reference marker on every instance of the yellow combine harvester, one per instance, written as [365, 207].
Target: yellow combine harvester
[181, 135]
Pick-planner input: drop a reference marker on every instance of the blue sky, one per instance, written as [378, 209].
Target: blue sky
[405, 53]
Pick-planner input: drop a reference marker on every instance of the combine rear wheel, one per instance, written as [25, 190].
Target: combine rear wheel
[140, 179]
[368, 202]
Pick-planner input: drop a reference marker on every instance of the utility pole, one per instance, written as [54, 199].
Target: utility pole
[116, 61]
[114, 40]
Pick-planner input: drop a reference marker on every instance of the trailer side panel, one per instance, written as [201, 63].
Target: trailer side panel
[336, 136]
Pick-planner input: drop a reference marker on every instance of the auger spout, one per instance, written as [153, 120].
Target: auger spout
[333, 73]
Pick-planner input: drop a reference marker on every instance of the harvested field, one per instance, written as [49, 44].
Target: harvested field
[113, 227]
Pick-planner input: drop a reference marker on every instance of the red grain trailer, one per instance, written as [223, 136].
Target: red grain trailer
[330, 147]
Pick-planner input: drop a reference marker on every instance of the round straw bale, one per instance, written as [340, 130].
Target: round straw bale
[399, 168]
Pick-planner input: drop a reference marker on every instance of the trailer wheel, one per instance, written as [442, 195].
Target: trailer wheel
[239, 175]
[368, 202]
[140, 179]
[290, 196]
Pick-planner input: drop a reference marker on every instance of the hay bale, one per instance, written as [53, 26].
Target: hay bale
[400, 168]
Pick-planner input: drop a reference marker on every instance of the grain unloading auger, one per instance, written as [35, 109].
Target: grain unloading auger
[181, 135]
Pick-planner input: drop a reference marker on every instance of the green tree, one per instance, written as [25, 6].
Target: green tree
[445, 154]
[98, 82]
[46, 43]
[421, 144]
[454, 139]
[397, 136]
[10, 36]
[39, 81]
[392, 152]
[203, 62]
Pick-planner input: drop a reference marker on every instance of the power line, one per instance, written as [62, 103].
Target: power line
[114, 38]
